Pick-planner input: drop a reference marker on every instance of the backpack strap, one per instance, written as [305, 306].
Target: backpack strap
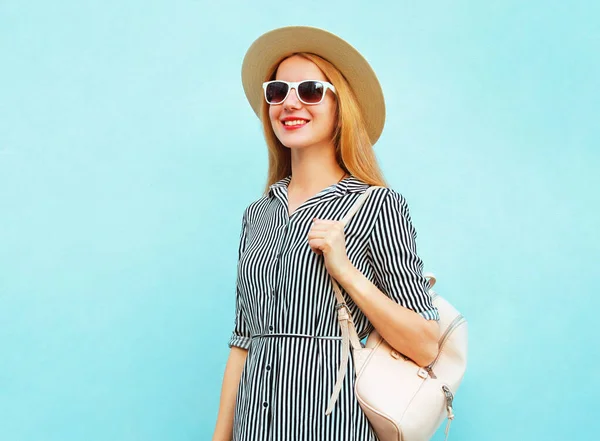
[349, 334]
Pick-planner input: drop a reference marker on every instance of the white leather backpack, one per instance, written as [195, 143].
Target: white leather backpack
[403, 401]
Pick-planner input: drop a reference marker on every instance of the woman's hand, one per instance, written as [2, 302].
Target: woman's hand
[327, 237]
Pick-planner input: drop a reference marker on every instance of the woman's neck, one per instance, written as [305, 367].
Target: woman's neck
[311, 177]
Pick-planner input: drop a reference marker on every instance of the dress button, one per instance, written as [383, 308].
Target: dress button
[270, 327]
[265, 404]
[268, 367]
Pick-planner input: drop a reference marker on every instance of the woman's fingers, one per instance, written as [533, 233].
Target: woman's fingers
[316, 245]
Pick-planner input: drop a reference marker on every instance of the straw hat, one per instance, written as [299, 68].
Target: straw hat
[279, 43]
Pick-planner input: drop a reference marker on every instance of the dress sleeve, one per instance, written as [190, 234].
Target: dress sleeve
[398, 270]
[240, 336]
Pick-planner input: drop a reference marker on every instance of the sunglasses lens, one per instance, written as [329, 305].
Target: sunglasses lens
[311, 91]
[276, 92]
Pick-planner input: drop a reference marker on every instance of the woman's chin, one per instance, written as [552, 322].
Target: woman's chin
[295, 142]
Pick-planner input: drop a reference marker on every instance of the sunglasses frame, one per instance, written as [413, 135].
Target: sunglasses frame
[294, 85]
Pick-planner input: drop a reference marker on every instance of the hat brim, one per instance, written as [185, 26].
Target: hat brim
[279, 43]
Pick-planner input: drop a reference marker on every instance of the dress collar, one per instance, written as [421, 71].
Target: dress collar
[350, 184]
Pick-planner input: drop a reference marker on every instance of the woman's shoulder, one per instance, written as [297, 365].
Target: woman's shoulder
[388, 203]
[386, 195]
[256, 206]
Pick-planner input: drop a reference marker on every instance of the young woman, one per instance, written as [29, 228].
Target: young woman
[322, 111]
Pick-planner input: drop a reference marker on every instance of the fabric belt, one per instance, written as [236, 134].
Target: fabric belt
[320, 337]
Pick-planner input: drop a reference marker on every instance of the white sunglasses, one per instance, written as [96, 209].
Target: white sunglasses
[308, 91]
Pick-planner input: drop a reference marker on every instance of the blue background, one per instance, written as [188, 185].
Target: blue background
[128, 153]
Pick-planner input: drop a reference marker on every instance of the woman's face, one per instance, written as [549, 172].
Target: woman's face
[320, 118]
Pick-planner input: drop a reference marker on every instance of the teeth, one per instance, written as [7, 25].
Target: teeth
[295, 123]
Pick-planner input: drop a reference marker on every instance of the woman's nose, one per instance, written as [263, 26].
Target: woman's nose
[292, 100]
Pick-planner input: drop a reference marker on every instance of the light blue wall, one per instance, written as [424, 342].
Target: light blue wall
[128, 153]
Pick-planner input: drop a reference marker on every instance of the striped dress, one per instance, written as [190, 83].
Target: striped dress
[285, 309]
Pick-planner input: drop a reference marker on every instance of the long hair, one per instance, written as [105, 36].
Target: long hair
[353, 149]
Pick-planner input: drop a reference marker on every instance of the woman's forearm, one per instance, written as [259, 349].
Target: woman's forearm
[405, 330]
[231, 380]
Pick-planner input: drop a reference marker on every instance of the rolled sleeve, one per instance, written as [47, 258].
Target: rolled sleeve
[240, 336]
[398, 270]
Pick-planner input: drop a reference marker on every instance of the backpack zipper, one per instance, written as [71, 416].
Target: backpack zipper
[459, 319]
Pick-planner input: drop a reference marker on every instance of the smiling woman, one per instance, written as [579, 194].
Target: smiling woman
[290, 114]
[338, 113]
[322, 110]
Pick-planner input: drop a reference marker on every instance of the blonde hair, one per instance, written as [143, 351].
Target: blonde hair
[353, 149]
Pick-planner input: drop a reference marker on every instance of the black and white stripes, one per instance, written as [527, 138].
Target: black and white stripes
[285, 313]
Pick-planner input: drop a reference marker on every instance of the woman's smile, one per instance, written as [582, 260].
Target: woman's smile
[294, 123]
